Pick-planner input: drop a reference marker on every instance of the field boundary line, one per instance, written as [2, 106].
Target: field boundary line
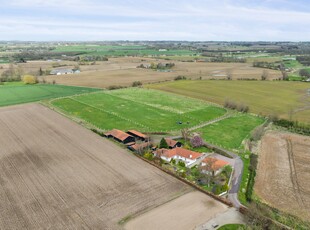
[225, 116]
[111, 113]
[169, 110]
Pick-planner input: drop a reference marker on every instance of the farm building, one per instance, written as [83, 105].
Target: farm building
[140, 147]
[172, 143]
[190, 158]
[211, 165]
[63, 71]
[120, 136]
[138, 135]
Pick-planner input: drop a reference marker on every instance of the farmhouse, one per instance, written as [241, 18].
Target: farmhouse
[211, 165]
[64, 71]
[138, 148]
[138, 135]
[120, 136]
[190, 158]
[172, 143]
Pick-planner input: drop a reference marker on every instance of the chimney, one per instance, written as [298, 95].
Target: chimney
[190, 156]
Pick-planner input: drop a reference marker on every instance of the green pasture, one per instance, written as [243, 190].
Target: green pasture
[18, 93]
[146, 110]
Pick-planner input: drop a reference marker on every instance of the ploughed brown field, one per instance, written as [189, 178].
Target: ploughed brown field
[123, 72]
[55, 174]
[283, 172]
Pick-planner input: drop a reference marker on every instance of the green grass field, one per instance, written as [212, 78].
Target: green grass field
[18, 93]
[229, 133]
[106, 50]
[134, 108]
[263, 97]
[232, 227]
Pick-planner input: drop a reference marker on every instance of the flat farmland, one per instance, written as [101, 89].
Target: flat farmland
[230, 132]
[285, 99]
[122, 71]
[57, 175]
[283, 173]
[135, 108]
[17, 93]
[183, 213]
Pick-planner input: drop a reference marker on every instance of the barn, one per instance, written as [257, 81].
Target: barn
[120, 136]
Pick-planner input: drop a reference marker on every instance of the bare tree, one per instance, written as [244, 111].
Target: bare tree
[185, 134]
[229, 74]
[265, 75]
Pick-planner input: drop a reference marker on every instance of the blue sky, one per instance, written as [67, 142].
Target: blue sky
[196, 20]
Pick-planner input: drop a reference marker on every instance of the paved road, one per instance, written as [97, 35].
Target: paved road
[236, 177]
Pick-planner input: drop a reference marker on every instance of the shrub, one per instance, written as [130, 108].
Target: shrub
[196, 141]
[136, 83]
[181, 164]
[180, 78]
[113, 87]
[148, 156]
[29, 79]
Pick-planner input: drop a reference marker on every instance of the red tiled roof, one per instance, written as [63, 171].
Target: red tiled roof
[141, 146]
[216, 163]
[180, 152]
[118, 134]
[171, 143]
[137, 133]
[187, 153]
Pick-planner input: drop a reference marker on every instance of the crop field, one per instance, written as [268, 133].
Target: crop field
[13, 93]
[283, 172]
[230, 132]
[135, 108]
[285, 99]
[55, 174]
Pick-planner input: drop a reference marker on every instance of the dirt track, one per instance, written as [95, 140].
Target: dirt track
[55, 174]
[284, 171]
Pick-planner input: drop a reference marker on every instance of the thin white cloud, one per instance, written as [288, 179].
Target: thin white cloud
[153, 20]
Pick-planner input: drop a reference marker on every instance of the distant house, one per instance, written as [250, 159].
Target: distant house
[162, 50]
[190, 158]
[120, 136]
[211, 165]
[140, 147]
[172, 143]
[138, 135]
[63, 71]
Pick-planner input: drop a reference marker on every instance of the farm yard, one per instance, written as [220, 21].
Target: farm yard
[56, 174]
[283, 173]
[143, 109]
[285, 99]
[17, 93]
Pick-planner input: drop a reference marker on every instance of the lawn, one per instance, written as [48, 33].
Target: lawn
[229, 133]
[146, 110]
[232, 227]
[263, 97]
[18, 93]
